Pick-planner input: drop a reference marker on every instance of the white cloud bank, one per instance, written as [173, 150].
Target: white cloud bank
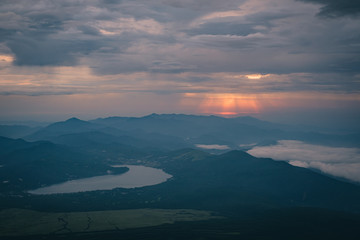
[340, 162]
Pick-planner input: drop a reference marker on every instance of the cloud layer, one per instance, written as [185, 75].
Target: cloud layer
[335, 8]
[174, 47]
[340, 162]
[277, 36]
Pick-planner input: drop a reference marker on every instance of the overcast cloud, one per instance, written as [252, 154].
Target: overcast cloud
[179, 46]
[277, 36]
[335, 8]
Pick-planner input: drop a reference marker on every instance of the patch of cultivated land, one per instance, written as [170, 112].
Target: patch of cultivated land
[20, 222]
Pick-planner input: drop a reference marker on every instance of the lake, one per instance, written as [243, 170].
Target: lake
[137, 176]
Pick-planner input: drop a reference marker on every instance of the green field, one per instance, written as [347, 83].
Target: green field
[20, 222]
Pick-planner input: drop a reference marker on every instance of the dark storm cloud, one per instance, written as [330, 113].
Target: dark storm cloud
[44, 23]
[52, 52]
[32, 36]
[337, 8]
[51, 33]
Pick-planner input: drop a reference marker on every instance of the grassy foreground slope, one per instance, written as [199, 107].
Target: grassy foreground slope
[20, 222]
[290, 223]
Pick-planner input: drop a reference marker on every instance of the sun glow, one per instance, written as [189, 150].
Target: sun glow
[226, 114]
[256, 76]
[229, 104]
[6, 58]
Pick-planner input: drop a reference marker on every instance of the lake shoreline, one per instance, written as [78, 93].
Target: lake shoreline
[136, 176]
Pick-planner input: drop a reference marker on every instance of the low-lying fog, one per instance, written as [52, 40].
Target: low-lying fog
[336, 161]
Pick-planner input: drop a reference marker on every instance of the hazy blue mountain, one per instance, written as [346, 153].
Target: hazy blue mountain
[106, 146]
[229, 131]
[175, 131]
[76, 132]
[193, 128]
[31, 164]
[93, 138]
[16, 131]
[80, 148]
[72, 125]
[8, 145]
[154, 120]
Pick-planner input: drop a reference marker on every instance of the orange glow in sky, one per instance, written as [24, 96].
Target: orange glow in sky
[6, 58]
[256, 76]
[229, 104]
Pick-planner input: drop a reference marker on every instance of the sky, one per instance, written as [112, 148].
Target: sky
[281, 60]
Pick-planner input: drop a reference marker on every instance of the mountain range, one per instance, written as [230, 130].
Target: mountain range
[228, 181]
[174, 131]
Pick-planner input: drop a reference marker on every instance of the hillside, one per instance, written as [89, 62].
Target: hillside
[233, 187]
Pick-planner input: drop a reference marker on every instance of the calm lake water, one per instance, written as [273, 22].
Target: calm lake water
[137, 176]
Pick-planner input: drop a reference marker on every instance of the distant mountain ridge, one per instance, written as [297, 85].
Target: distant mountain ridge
[72, 125]
[174, 131]
[17, 131]
[233, 131]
